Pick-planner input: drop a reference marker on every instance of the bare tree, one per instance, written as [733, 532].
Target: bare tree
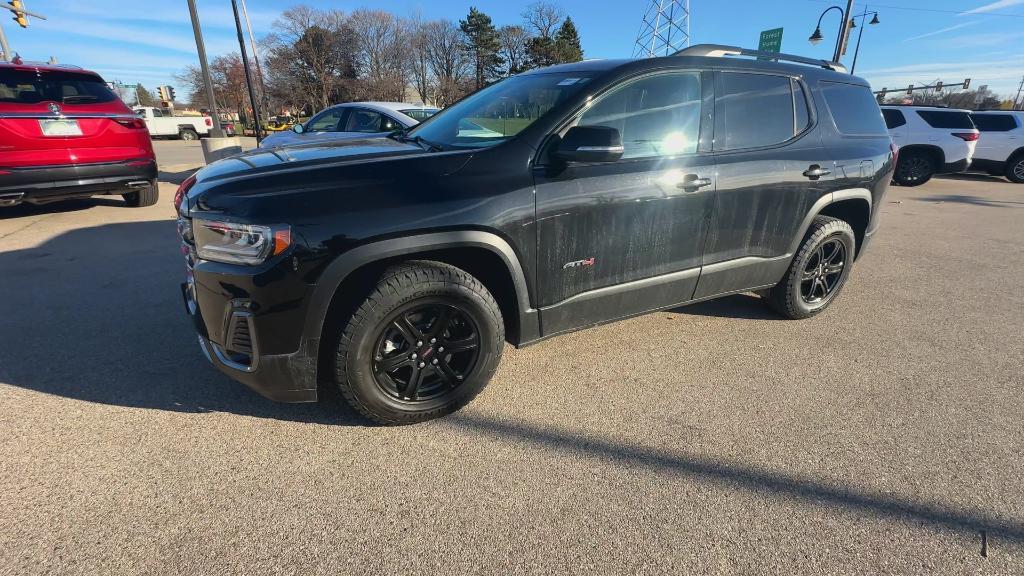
[311, 58]
[514, 42]
[382, 53]
[449, 62]
[419, 59]
[228, 78]
[543, 18]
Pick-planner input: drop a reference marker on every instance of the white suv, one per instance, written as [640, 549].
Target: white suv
[932, 140]
[1000, 150]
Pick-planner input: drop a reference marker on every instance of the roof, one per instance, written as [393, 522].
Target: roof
[938, 107]
[47, 67]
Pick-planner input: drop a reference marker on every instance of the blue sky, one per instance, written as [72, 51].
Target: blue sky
[916, 42]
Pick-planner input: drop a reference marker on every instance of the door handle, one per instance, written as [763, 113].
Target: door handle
[815, 172]
[692, 183]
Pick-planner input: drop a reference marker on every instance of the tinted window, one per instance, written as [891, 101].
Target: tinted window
[420, 114]
[803, 119]
[753, 110]
[656, 116]
[946, 119]
[893, 118]
[328, 121]
[33, 87]
[854, 109]
[994, 122]
[360, 120]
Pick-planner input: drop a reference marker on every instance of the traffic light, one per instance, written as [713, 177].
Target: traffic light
[170, 93]
[19, 16]
[162, 92]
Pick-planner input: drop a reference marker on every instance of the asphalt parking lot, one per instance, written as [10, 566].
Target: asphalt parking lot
[883, 437]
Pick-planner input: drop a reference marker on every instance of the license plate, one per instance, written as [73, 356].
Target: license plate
[60, 127]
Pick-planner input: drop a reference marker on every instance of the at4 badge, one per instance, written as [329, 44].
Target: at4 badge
[578, 263]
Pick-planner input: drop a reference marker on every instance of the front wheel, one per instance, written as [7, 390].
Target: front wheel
[423, 344]
[818, 271]
[1015, 169]
[188, 134]
[914, 168]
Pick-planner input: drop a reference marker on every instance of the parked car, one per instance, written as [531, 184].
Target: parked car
[183, 127]
[1000, 150]
[396, 268]
[351, 120]
[65, 134]
[932, 140]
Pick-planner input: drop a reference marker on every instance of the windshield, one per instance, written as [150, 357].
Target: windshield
[499, 111]
[33, 87]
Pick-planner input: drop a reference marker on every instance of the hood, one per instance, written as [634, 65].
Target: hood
[317, 154]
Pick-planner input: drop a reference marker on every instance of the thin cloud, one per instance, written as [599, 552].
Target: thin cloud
[942, 31]
[993, 6]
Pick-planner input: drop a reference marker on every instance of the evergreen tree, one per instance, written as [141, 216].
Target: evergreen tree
[567, 43]
[542, 51]
[144, 97]
[483, 46]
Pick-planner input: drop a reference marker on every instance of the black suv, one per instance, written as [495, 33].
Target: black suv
[396, 268]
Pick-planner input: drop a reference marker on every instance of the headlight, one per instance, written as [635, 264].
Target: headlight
[239, 243]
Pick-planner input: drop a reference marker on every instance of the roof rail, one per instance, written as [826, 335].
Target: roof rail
[719, 50]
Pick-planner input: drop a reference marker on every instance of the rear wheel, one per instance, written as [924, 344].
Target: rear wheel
[818, 271]
[1015, 169]
[914, 168]
[188, 134]
[423, 344]
[142, 197]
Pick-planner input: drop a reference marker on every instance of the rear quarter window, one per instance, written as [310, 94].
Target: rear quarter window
[893, 118]
[994, 122]
[854, 109]
[946, 119]
[754, 110]
[33, 87]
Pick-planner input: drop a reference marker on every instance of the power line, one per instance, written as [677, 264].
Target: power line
[891, 7]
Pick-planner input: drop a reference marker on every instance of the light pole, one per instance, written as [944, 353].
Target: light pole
[874, 20]
[216, 132]
[248, 75]
[817, 36]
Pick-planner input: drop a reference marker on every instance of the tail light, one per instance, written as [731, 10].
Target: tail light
[966, 136]
[179, 194]
[209, 122]
[133, 123]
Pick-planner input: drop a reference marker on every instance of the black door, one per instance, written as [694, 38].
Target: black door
[624, 237]
[771, 169]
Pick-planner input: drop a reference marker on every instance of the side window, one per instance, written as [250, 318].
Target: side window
[157, 113]
[854, 109]
[656, 116]
[946, 119]
[994, 122]
[361, 120]
[753, 110]
[893, 118]
[327, 121]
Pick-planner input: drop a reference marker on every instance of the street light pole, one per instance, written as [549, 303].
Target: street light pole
[216, 132]
[248, 76]
[843, 29]
[3, 46]
[860, 34]
[818, 37]
[255, 57]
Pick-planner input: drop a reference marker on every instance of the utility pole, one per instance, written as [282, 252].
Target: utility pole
[844, 31]
[255, 56]
[248, 76]
[17, 8]
[1019, 90]
[216, 132]
[5, 50]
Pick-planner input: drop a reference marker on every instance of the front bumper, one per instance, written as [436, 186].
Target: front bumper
[274, 375]
[42, 184]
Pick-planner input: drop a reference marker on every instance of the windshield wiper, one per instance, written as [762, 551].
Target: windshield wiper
[402, 136]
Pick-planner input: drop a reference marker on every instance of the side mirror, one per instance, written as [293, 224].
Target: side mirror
[298, 129]
[590, 144]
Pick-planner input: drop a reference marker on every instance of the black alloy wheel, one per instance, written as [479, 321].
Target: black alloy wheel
[822, 272]
[914, 169]
[1015, 172]
[425, 351]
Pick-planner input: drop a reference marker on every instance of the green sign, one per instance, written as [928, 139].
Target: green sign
[771, 40]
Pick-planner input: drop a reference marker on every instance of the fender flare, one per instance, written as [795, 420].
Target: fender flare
[346, 263]
[824, 201]
[928, 147]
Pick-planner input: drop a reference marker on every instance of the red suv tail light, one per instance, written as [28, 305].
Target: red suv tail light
[966, 136]
[133, 123]
[179, 194]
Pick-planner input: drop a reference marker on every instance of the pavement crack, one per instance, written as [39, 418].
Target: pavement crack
[25, 227]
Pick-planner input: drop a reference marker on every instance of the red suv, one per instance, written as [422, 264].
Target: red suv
[65, 134]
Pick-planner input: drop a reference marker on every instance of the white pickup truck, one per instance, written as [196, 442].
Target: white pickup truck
[184, 127]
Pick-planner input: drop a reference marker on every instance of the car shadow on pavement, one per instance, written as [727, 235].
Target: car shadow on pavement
[972, 200]
[972, 177]
[737, 306]
[730, 474]
[71, 205]
[176, 177]
[95, 314]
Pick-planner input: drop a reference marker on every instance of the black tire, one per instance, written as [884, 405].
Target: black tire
[1015, 169]
[188, 134]
[914, 168]
[797, 295]
[143, 197]
[376, 336]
